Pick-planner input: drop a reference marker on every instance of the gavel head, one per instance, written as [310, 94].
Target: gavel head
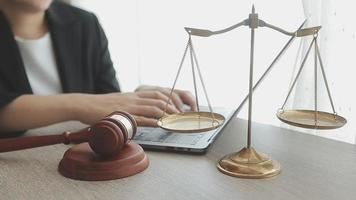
[109, 135]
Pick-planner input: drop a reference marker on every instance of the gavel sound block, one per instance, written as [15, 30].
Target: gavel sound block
[106, 151]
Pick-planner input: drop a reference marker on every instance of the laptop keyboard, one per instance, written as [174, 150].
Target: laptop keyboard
[158, 135]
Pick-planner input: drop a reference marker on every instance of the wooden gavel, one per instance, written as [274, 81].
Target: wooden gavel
[105, 152]
[106, 138]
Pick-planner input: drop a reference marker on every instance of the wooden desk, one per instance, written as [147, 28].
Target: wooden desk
[313, 168]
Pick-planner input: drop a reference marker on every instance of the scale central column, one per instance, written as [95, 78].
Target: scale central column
[253, 20]
[248, 163]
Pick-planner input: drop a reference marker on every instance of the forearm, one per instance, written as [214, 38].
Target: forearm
[32, 111]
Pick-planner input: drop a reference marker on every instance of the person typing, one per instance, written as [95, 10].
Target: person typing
[55, 66]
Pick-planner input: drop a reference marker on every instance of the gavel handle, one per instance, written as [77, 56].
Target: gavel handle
[14, 144]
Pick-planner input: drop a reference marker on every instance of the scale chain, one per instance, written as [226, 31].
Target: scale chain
[298, 56]
[202, 81]
[299, 72]
[176, 78]
[193, 72]
[324, 77]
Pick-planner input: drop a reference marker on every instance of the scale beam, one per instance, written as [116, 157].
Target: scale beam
[207, 33]
[253, 22]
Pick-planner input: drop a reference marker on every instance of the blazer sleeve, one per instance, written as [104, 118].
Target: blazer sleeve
[105, 77]
[7, 97]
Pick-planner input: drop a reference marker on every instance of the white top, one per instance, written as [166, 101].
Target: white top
[40, 65]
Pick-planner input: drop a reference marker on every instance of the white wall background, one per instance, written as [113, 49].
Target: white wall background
[147, 40]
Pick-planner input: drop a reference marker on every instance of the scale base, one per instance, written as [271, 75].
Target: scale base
[81, 163]
[248, 163]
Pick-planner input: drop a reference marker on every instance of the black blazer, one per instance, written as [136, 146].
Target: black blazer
[81, 51]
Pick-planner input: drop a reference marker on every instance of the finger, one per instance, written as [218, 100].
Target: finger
[146, 111]
[175, 99]
[188, 98]
[136, 112]
[146, 87]
[157, 95]
[170, 109]
[152, 95]
[144, 121]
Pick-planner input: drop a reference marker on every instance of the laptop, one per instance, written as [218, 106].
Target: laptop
[160, 139]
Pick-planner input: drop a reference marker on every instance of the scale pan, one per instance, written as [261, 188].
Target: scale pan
[306, 119]
[191, 122]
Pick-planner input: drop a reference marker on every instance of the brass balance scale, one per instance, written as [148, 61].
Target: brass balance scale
[248, 163]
